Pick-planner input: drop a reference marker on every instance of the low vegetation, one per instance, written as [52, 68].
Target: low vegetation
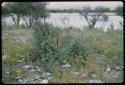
[86, 51]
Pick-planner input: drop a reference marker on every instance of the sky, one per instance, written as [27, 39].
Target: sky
[79, 5]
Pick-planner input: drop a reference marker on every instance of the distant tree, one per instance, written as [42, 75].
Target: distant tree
[28, 11]
[15, 10]
[119, 10]
[33, 11]
[5, 12]
[92, 19]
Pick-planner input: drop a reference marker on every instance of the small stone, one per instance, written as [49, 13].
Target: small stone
[48, 74]
[4, 57]
[50, 78]
[38, 69]
[119, 68]
[94, 76]
[27, 66]
[66, 65]
[95, 81]
[77, 73]
[44, 81]
[114, 74]
[108, 69]
[32, 70]
[7, 72]
[20, 80]
[20, 61]
[107, 65]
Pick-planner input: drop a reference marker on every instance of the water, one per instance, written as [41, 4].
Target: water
[76, 20]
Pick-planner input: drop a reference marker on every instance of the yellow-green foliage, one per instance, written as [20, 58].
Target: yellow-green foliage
[55, 70]
[15, 48]
[109, 79]
[67, 77]
[94, 65]
[77, 62]
[11, 51]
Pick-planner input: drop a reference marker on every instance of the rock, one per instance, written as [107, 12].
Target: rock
[4, 57]
[7, 72]
[66, 65]
[18, 77]
[32, 70]
[20, 61]
[119, 68]
[20, 80]
[38, 69]
[77, 73]
[26, 81]
[27, 66]
[48, 74]
[95, 81]
[94, 76]
[114, 74]
[50, 78]
[37, 77]
[107, 65]
[44, 81]
[108, 69]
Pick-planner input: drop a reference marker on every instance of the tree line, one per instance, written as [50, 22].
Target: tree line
[118, 10]
[30, 12]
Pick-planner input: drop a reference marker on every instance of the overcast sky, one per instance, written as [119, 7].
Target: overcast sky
[79, 5]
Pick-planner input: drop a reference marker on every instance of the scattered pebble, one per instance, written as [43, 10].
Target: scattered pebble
[18, 77]
[119, 68]
[66, 65]
[20, 80]
[44, 81]
[77, 73]
[50, 78]
[7, 72]
[38, 69]
[48, 74]
[4, 57]
[94, 76]
[95, 81]
[108, 69]
[27, 66]
[32, 70]
[20, 61]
